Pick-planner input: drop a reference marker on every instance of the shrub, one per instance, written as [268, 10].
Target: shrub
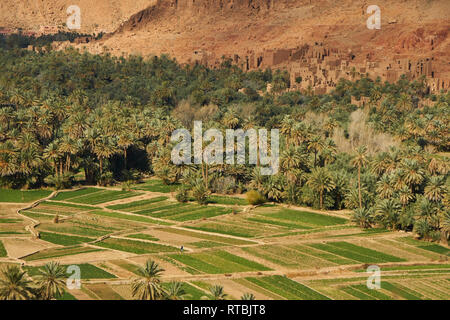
[106, 179]
[200, 193]
[182, 194]
[126, 186]
[254, 197]
[64, 181]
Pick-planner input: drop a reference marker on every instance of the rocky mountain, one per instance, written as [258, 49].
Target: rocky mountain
[259, 33]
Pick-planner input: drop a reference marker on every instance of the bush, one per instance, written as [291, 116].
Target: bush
[254, 197]
[200, 193]
[64, 181]
[106, 179]
[182, 194]
[126, 186]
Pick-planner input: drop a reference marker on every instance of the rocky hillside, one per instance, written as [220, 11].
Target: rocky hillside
[97, 15]
[189, 29]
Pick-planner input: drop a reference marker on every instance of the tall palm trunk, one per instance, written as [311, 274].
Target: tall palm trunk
[359, 186]
[321, 199]
[125, 157]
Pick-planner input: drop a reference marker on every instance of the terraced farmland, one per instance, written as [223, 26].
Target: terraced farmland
[270, 251]
[94, 196]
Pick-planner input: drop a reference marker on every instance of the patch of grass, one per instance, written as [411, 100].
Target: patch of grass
[355, 253]
[143, 236]
[87, 271]
[218, 262]
[104, 196]
[135, 204]
[206, 213]
[309, 218]
[59, 252]
[401, 291]
[206, 244]
[63, 196]
[64, 240]
[134, 246]
[406, 268]
[192, 292]
[130, 217]
[367, 252]
[68, 205]
[155, 185]
[125, 265]
[25, 196]
[9, 220]
[3, 252]
[287, 288]
[209, 237]
[103, 291]
[66, 296]
[227, 200]
[197, 264]
[239, 260]
[436, 248]
[224, 229]
[375, 294]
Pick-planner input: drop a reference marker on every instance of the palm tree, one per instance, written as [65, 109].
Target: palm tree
[405, 196]
[316, 145]
[248, 296]
[363, 217]
[175, 291]
[446, 224]
[387, 212]
[413, 173]
[14, 284]
[51, 280]
[104, 148]
[216, 293]
[435, 189]
[148, 286]
[384, 187]
[321, 181]
[360, 160]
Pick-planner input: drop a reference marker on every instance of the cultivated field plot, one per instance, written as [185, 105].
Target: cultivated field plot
[279, 287]
[94, 196]
[134, 246]
[421, 282]
[11, 224]
[155, 185]
[216, 262]
[60, 252]
[241, 250]
[87, 271]
[22, 196]
[162, 208]
[269, 221]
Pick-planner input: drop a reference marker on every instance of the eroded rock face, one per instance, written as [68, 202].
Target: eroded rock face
[325, 36]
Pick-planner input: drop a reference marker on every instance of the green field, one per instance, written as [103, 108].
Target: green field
[94, 196]
[155, 185]
[287, 288]
[134, 246]
[59, 252]
[87, 271]
[64, 240]
[218, 262]
[25, 196]
[3, 252]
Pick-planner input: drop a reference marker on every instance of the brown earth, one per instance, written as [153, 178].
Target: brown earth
[190, 30]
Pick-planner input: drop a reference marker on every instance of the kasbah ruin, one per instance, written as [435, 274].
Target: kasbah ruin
[320, 68]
